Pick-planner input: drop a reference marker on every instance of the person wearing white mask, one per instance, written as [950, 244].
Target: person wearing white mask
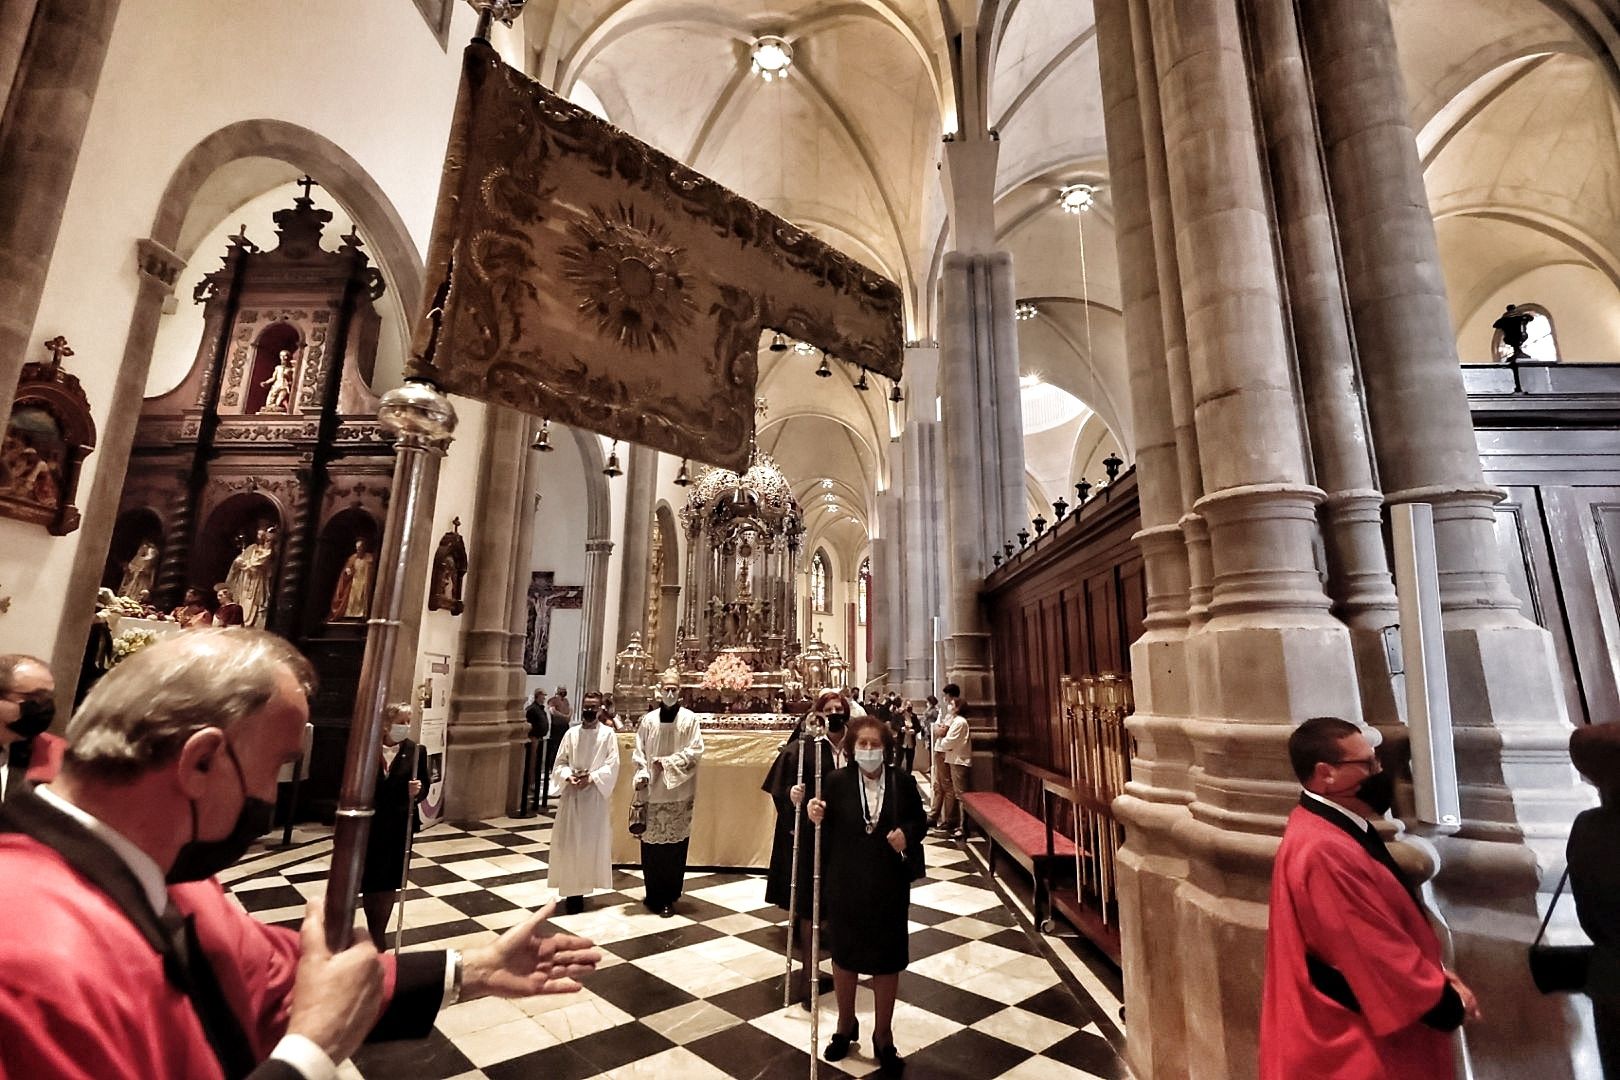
[873, 826]
[401, 784]
[585, 772]
[669, 748]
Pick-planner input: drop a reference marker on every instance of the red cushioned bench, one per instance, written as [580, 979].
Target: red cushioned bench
[1023, 836]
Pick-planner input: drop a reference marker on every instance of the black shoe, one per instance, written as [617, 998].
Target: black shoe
[666, 912]
[838, 1046]
[889, 1062]
[573, 905]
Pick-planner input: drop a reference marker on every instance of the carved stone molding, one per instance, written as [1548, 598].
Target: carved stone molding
[157, 262]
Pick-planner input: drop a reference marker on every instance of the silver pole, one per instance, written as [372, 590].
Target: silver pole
[410, 842]
[793, 877]
[422, 421]
[813, 961]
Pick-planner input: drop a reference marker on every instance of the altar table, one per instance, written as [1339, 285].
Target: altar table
[733, 821]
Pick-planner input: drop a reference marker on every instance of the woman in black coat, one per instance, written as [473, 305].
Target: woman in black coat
[1594, 881]
[872, 832]
[402, 782]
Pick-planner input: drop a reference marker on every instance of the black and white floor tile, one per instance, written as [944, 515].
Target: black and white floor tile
[698, 996]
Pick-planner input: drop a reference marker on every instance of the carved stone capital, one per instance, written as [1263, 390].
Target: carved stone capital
[158, 263]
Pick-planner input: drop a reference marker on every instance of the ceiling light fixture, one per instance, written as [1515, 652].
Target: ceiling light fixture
[772, 56]
[1025, 310]
[803, 348]
[1077, 198]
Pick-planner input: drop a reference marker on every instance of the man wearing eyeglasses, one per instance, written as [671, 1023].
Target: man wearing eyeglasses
[28, 752]
[1355, 988]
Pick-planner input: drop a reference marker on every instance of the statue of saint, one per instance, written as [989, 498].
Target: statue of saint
[279, 399]
[140, 572]
[352, 596]
[249, 579]
[1515, 327]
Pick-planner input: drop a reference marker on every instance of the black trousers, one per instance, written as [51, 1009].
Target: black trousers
[663, 867]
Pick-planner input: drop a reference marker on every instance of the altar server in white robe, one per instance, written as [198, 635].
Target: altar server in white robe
[583, 775]
[669, 747]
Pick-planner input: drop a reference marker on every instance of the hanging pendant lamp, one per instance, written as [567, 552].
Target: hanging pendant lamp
[779, 344]
[613, 469]
[542, 438]
[822, 370]
[861, 384]
[684, 477]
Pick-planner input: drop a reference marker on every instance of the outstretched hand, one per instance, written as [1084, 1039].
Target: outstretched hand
[526, 960]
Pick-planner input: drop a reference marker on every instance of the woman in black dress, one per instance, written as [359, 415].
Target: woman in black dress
[873, 829]
[1594, 882]
[401, 784]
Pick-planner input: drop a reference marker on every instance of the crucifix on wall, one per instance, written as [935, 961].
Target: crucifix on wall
[545, 596]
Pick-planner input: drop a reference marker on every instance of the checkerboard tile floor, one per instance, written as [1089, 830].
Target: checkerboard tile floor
[698, 996]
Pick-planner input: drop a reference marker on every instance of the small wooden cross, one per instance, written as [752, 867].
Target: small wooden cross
[306, 182]
[59, 349]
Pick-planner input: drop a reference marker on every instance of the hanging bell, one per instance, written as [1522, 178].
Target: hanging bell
[822, 370]
[861, 384]
[894, 394]
[684, 477]
[613, 469]
[542, 438]
[779, 343]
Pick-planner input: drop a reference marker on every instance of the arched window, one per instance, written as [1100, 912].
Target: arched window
[1540, 341]
[863, 593]
[818, 583]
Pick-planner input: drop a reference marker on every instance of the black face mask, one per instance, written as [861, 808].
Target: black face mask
[34, 716]
[201, 859]
[1378, 791]
[587, 713]
[836, 721]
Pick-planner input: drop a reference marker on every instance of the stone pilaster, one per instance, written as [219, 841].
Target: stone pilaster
[920, 502]
[598, 550]
[641, 478]
[482, 765]
[46, 111]
[1518, 789]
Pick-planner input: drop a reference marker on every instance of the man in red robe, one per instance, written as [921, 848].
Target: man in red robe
[123, 956]
[1355, 988]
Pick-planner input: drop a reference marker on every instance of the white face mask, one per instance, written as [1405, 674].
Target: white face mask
[399, 732]
[870, 760]
[669, 695]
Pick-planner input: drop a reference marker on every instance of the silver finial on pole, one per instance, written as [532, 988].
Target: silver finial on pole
[423, 421]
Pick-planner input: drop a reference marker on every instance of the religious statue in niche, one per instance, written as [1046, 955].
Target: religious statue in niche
[279, 398]
[449, 568]
[545, 596]
[140, 573]
[352, 597]
[46, 440]
[249, 579]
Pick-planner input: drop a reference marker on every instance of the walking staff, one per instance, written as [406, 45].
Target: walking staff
[814, 960]
[806, 742]
[410, 842]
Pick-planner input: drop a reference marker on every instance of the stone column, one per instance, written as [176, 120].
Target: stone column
[1518, 789]
[486, 728]
[1359, 579]
[598, 549]
[1154, 862]
[46, 112]
[922, 521]
[640, 494]
[891, 630]
[15, 19]
[159, 268]
[882, 605]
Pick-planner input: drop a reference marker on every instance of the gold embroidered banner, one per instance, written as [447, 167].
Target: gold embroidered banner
[582, 276]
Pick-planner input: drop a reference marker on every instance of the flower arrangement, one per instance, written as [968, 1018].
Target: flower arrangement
[727, 672]
[130, 642]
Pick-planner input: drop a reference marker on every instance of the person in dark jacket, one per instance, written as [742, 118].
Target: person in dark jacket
[782, 785]
[1594, 881]
[402, 782]
[873, 835]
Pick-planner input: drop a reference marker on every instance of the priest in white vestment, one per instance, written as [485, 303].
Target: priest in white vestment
[583, 774]
[669, 747]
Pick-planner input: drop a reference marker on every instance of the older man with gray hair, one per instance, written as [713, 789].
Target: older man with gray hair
[28, 752]
[124, 956]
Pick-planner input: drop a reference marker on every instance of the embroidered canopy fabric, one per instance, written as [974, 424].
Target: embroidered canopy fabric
[578, 274]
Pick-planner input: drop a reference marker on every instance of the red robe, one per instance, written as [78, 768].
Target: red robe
[83, 994]
[1333, 901]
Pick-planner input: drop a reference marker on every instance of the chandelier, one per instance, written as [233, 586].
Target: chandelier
[1025, 310]
[772, 56]
[1077, 198]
